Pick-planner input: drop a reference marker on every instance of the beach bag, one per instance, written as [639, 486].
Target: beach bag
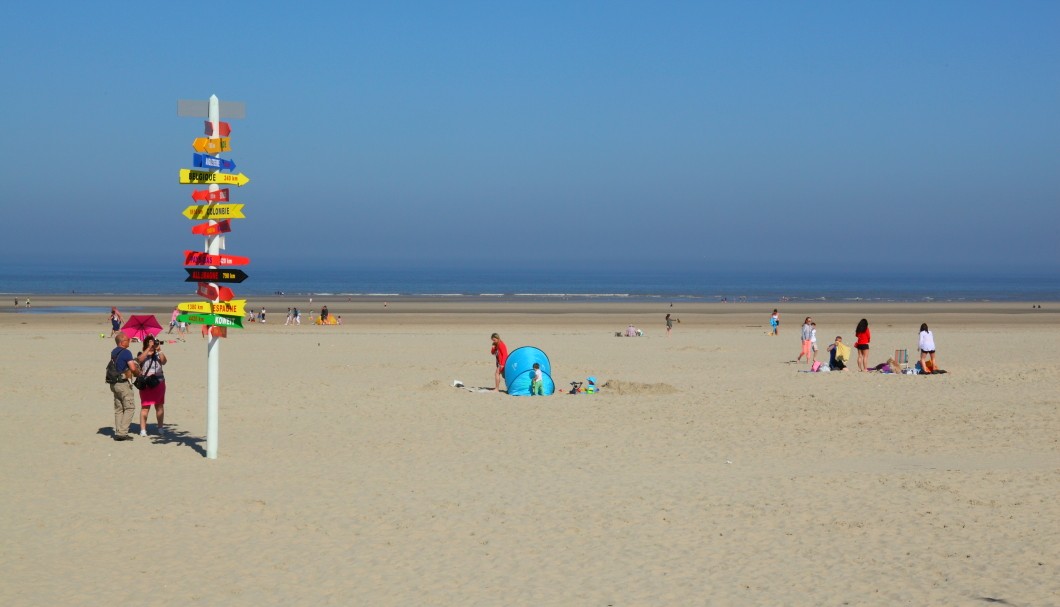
[816, 366]
[112, 376]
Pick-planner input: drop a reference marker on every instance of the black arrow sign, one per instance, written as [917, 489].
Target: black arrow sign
[212, 275]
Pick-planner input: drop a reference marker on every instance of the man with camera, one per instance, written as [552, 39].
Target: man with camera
[120, 386]
[151, 383]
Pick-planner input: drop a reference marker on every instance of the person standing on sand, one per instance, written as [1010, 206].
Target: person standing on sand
[173, 320]
[863, 336]
[774, 323]
[670, 324]
[500, 353]
[115, 321]
[927, 345]
[807, 333]
[151, 360]
[122, 390]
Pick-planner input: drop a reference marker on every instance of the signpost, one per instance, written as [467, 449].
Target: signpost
[220, 316]
[212, 162]
[210, 195]
[212, 228]
[197, 177]
[236, 307]
[214, 275]
[214, 320]
[214, 292]
[195, 258]
[214, 211]
[212, 145]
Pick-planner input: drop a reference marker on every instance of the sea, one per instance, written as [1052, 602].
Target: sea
[561, 283]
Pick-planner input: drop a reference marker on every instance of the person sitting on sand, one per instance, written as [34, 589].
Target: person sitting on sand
[838, 354]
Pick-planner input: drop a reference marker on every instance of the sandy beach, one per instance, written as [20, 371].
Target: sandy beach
[707, 471]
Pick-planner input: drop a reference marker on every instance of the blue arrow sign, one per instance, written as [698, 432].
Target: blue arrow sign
[205, 161]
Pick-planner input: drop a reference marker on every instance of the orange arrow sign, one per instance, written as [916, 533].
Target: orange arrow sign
[212, 146]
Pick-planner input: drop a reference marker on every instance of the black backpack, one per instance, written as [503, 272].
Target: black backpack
[113, 376]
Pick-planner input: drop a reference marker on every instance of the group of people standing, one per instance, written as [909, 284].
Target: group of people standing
[144, 373]
[838, 352]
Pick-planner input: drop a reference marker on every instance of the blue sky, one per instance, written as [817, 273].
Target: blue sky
[683, 134]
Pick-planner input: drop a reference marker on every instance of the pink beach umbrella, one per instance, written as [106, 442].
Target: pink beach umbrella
[140, 326]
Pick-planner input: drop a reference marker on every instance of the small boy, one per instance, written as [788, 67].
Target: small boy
[536, 383]
[813, 341]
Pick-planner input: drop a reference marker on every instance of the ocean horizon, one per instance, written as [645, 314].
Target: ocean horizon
[542, 283]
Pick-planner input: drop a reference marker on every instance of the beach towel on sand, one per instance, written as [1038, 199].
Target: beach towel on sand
[842, 352]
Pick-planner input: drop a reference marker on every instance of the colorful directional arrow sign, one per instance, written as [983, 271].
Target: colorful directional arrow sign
[217, 320]
[236, 307]
[205, 161]
[196, 177]
[212, 146]
[223, 129]
[214, 211]
[202, 307]
[198, 258]
[220, 293]
[212, 275]
[208, 196]
[212, 229]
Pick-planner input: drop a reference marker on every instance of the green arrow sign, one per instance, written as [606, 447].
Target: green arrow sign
[217, 320]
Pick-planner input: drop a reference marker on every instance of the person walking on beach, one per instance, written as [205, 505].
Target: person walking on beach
[122, 390]
[115, 321]
[806, 334]
[173, 320]
[813, 342]
[670, 324]
[500, 353]
[927, 345]
[290, 317]
[774, 323]
[153, 385]
[863, 336]
[297, 316]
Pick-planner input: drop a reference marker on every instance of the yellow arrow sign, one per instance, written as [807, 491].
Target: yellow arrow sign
[196, 177]
[232, 308]
[212, 146]
[215, 211]
[195, 306]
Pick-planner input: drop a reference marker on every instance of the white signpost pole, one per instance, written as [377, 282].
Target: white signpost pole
[213, 346]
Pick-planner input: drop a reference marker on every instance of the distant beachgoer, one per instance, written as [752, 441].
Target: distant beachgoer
[813, 341]
[670, 324]
[16, 302]
[631, 331]
[324, 315]
[297, 316]
[807, 333]
[774, 323]
[173, 320]
[500, 353]
[28, 304]
[536, 382]
[862, 344]
[290, 317]
[338, 319]
[262, 314]
[838, 354]
[927, 345]
[151, 361]
[115, 319]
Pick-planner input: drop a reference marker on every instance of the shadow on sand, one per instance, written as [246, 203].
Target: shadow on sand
[172, 435]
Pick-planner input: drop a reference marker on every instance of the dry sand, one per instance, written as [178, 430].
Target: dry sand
[708, 471]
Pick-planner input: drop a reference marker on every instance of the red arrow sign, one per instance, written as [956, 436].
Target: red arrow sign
[223, 129]
[208, 229]
[217, 293]
[198, 258]
[208, 196]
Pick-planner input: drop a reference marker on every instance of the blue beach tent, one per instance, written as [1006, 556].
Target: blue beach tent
[519, 370]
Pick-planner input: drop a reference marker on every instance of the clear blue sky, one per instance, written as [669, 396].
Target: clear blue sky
[684, 133]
